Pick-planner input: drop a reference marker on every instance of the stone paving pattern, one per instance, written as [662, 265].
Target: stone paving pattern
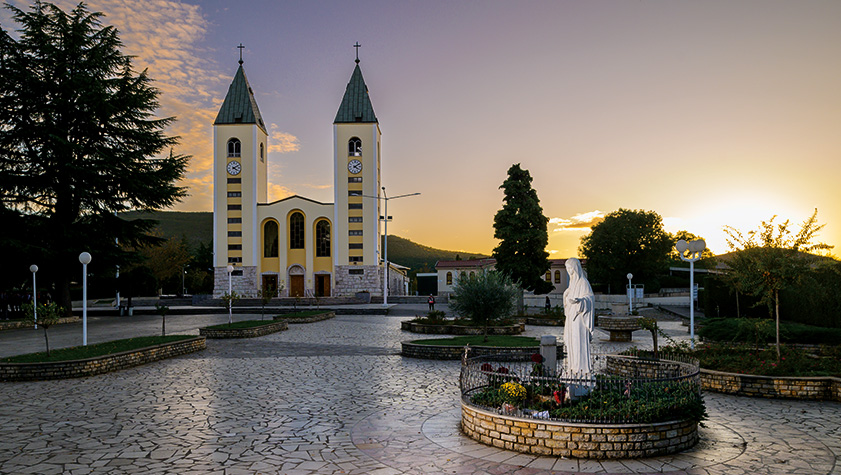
[336, 397]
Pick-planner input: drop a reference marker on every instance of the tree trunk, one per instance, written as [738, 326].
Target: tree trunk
[163, 325]
[777, 305]
[47, 339]
[738, 313]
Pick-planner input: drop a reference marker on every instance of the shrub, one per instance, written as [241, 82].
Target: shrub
[484, 299]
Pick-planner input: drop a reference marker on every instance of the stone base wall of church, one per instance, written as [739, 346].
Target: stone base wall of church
[245, 285]
[348, 285]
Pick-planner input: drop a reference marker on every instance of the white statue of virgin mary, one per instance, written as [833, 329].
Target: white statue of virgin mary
[579, 307]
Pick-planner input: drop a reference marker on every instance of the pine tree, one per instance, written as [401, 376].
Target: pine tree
[78, 142]
[521, 227]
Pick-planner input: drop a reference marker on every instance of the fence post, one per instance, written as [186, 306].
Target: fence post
[549, 352]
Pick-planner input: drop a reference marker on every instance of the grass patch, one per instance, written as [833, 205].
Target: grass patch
[745, 359]
[749, 330]
[241, 325]
[307, 313]
[92, 351]
[479, 340]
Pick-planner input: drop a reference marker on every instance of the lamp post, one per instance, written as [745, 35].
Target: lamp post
[183, 273]
[385, 218]
[695, 249]
[630, 294]
[85, 259]
[230, 300]
[33, 268]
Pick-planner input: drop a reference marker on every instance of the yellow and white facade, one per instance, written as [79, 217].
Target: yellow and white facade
[301, 246]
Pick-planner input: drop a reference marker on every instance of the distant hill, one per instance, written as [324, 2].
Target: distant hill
[198, 227]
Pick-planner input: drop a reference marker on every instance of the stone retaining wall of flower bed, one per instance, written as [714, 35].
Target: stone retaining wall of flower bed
[818, 388]
[14, 324]
[586, 441]
[546, 322]
[629, 367]
[98, 365]
[244, 332]
[436, 352]
[515, 329]
[310, 319]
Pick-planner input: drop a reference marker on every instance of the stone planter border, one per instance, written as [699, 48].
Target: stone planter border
[14, 324]
[100, 364]
[587, 441]
[409, 326]
[441, 352]
[271, 326]
[544, 322]
[789, 387]
[311, 319]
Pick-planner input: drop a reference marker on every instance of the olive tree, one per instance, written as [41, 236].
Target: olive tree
[484, 298]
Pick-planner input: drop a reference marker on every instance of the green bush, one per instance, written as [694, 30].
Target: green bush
[745, 359]
[742, 330]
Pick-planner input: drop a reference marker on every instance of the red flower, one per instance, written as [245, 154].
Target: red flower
[557, 397]
[487, 367]
[502, 370]
[537, 358]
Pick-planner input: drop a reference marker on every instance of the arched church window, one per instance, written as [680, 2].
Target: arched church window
[270, 241]
[296, 231]
[262, 157]
[449, 278]
[234, 148]
[548, 276]
[322, 239]
[557, 277]
[354, 147]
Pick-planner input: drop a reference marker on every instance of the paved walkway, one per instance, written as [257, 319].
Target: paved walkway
[336, 397]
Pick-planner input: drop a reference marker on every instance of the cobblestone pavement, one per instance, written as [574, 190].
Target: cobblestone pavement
[336, 397]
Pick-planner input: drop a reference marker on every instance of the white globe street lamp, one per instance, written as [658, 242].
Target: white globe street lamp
[630, 294]
[230, 301]
[695, 249]
[33, 268]
[85, 259]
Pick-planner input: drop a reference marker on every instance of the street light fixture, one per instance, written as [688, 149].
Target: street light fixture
[33, 268]
[85, 259]
[695, 249]
[230, 300]
[630, 294]
[385, 240]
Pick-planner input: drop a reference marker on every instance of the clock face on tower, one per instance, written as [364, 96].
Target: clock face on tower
[354, 166]
[234, 167]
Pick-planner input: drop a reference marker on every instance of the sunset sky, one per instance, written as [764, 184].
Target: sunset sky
[710, 113]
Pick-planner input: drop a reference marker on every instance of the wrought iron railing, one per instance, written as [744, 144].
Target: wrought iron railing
[622, 388]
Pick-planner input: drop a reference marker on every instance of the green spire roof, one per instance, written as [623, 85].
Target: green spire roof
[356, 105]
[239, 106]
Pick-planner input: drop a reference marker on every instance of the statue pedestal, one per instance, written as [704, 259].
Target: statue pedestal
[620, 327]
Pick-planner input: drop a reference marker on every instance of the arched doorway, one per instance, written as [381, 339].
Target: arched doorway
[322, 284]
[296, 281]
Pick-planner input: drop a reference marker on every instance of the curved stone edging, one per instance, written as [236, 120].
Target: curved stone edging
[311, 319]
[409, 326]
[443, 352]
[544, 322]
[100, 364]
[790, 387]
[590, 441]
[15, 324]
[271, 327]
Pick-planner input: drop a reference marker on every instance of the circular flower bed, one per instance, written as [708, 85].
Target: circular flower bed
[632, 406]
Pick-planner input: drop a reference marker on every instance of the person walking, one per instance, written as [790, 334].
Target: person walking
[431, 302]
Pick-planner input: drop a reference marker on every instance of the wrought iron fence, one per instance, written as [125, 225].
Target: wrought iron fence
[632, 387]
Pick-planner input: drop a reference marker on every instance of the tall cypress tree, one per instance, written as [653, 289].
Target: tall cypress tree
[78, 143]
[521, 227]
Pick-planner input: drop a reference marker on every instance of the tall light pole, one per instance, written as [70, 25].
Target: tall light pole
[33, 268]
[183, 273]
[85, 259]
[630, 294]
[385, 218]
[230, 300]
[695, 249]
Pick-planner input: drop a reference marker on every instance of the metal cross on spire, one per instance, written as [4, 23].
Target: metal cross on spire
[241, 47]
[357, 45]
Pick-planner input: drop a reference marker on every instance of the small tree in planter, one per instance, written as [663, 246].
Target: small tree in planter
[162, 311]
[266, 295]
[485, 298]
[48, 315]
[228, 301]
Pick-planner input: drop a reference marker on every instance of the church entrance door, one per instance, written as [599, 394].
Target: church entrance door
[322, 285]
[296, 286]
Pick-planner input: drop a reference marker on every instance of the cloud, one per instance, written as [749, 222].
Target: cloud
[579, 222]
[553, 251]
[278, 192]
[282, 142]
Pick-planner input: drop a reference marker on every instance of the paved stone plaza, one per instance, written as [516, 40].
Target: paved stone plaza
[336, 397]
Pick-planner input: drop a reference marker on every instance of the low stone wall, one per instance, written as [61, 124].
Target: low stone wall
[311, 319]
[410, 326]
[244, 332]
[631, 367]
[99, 365]
[816, 388]
[620, 327]
[14, 324]
[436, 352]
[590, 441]
[546, 322]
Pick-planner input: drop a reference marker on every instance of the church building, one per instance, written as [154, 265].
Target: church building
[301, 246]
